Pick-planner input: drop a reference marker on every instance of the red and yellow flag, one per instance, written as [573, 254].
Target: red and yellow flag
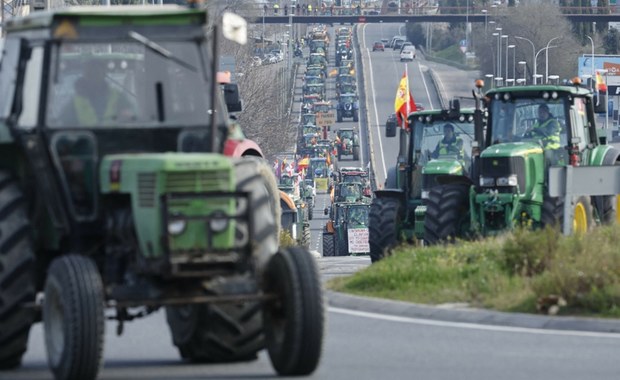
[404, 103]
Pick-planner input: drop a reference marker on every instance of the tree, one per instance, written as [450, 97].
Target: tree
[544, 22]
[610, 41]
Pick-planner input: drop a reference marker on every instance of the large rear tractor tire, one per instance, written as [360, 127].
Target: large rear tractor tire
[356, 153]
[384, 217]
[73, 317]
[305, 241]
[447, 213]
[339, 116]
[328, 245]
[356, 116]
[232, 332]
[294, 324]
[17, 274]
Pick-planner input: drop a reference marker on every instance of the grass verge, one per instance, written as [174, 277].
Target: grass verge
[527, 271]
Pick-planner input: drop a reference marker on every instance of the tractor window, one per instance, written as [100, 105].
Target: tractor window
[580, 120]
[8, 77]
[127, 84]
[31, 89]
[428, 136]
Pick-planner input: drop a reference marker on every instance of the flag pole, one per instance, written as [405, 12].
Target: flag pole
[406, 95]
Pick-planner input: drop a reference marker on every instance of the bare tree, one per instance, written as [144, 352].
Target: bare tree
[543, 25]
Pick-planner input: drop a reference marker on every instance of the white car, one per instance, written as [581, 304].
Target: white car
[256, 61]
[270, 58]
[408, 54]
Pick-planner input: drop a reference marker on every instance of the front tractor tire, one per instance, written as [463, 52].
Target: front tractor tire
[294, 324]
[356, 116]
[17, 274]
[328, 245]
[553, 213]
[447, 213]
[384, 217]
[339, 116]
[232, 332]
[73, 317]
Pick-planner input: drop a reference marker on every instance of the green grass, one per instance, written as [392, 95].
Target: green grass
[452, 53]
[514, 272]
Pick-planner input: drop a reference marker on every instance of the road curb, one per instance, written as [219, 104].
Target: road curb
[474, 316]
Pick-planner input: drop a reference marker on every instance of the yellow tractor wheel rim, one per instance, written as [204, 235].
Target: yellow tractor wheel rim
[580, 220]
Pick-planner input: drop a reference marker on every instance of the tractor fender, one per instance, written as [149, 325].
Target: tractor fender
[612, 155]
[397, 194]
[329, 227]
[240, 148]
[454, 180]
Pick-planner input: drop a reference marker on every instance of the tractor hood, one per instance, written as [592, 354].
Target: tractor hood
[121, 173]
[514, 149]
[443, 166]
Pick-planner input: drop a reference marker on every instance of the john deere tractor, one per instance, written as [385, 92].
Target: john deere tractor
[115, 194]
[398, 210]
[530, 129]
[346, 232]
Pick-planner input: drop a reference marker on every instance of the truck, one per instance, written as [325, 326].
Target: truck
[511, 185]
[397, 212]
[116, 196]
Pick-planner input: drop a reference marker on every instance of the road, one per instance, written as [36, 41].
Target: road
[363, 345]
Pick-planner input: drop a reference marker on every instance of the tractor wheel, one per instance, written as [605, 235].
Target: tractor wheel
[339, 154]
[339, 116]
[384, 218]
[341, 247]
[310, 213]
[446, 213]
[305, 240]
[356, 153]
[553, 213]
[216, 333]
[17, 274]
[232, 331]
[73, 317]
[328, 245]
[356, 116]
[294, 324]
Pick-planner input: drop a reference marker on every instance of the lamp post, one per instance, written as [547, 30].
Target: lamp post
[484, 11]
[500, 55]
[467, 25]
[495, 72]
[490, 78]
[547, 58]
[533, 56]
[514, 51]
[499, 51]
[523, 63]
[592, 61]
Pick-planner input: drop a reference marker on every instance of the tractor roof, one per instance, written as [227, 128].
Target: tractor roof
[538, 90]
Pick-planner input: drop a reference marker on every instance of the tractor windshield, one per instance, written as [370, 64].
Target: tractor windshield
[433, 141]
[129, 84]
[358, 215]
[514, 120]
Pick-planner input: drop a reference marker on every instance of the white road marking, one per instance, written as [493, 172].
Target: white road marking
[471, 326]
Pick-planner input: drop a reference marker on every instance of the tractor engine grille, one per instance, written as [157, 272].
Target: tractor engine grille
[197, 181]
[503, 167]
[146, 189]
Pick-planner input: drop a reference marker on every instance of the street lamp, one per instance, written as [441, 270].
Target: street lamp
[467, 25]
[490, 78]
[513, 60]
[500, 54]
[523, 63]
[484, 11]
[592, 61]
[533, 55]
[499, 51]
[547, 58]
[495, 72]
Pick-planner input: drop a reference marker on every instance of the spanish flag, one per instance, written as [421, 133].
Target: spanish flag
[404, 103]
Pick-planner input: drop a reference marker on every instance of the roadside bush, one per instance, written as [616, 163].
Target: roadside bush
[286, 240]
[528, 253]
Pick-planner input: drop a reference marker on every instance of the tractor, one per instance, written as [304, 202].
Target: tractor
[117, 199]
[346, 232]
[398, 210]
[294, 218]
[530, 130]
[348, 106]
[347, 143]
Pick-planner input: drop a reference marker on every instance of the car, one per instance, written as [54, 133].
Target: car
[398, 43]
[405, 44]
[378, 46]
[270, 58]
[385, 41]
[407, 55]
[256, 61]
[278, 54]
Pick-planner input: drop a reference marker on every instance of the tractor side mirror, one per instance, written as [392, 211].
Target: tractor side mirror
[326, 211]
[390, 127]
[232, 98]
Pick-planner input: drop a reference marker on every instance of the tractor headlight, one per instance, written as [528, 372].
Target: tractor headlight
[176, 226]
[425, 194]
[487, 181]
[511, 180]
[218, 221]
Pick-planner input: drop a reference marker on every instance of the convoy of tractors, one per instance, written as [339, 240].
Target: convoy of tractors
[158, 201]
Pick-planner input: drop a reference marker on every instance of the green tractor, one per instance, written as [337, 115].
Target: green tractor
[398, 210]
[295, 218]
[346, 232]
[529, 130]
[115, 195]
